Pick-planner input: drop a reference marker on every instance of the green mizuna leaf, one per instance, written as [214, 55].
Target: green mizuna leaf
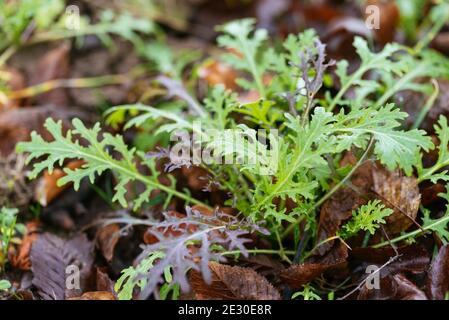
[97, 159]
[367, 218]
[432, 173]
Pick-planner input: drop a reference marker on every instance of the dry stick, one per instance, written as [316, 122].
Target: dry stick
[392, 259]
[399, 209]
[68, 83]
[389, 241]
[359, 286]
[413, 233]
[334, 189]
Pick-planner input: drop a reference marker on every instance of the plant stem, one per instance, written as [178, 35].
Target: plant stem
[412, 233]
[346, 87]
[429, 103]
[424, 42]
[281, 248]
[68, 83]
[7, 54]
[333, 190]
[398, 84]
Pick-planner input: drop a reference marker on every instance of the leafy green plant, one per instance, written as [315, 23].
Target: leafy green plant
[98, 160]
[367, 218]
[33, 21]
[433, 173]
[129, 280]
[8, 228]
[307, 138]
[308, 293]
[4, 285]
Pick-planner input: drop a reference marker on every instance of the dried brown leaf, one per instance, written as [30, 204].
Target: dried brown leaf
[107, 238]
[103, 282]
[21, 258]
[298, 275]
[438, 275]
[413, 258]
[396, 287]
[55, 64]
[50, 256]
[47, 188]
[233, 283]
[399, 193]
[215, 72]
[388, 19]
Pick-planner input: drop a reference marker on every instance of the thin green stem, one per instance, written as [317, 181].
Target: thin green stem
[281, 248]
[429, 103]
[400, 83]
[430, 171]
[7, 54]
[424, 42]
[412, 233]
[346, 87]
[252, 64]
[325, 241]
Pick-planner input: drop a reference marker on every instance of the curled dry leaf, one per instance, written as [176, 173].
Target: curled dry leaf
[50, 256]
[233, 283]
[396, 287]
[107, 238]
[95, 295]
[413, 258]
[399, 193]
[21, 258]
[47, 188]
[298, 275]
[438, 275]
[430, 194]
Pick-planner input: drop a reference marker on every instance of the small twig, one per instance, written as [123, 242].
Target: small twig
[360, 285]
[388, 239]
[397, 208]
